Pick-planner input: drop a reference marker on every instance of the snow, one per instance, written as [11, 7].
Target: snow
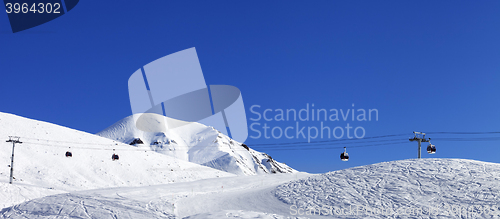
[148, 184]
[81, 206]
[41, 167]
[440, 188]
[18, 193]
[197, 143]
[237, 214]
[207, 198]
[446, 188]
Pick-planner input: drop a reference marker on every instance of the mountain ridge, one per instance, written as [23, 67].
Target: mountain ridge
[197, 143]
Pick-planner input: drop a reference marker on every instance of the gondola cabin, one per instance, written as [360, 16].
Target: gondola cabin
[431, 149]
[344, 156]
[114, 156]
[68, 153]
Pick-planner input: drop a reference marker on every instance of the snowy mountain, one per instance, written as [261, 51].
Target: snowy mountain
[146, 184]
[197, 143]
[41, 167]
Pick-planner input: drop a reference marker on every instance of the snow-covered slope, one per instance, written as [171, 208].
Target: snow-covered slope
[41, 167]
[233, 197]
[199, 144]
[441, 188]
[425, 188]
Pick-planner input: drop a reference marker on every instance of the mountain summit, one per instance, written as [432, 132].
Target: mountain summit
[197, 143]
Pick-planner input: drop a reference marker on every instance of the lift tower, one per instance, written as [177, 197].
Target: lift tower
[420, 137]
[14, 140]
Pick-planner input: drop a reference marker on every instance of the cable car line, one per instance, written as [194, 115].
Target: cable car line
[87, 148]
[334, 140]
[355, 141]
[463, 133]
[383, 140]
[337, 147]
[468, 139]
[325, 144]
[349, 141]
[278, 146]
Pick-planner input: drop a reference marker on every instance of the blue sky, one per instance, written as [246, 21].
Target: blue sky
[429, 66]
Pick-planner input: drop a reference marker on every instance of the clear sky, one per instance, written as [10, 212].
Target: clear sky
[431, 66]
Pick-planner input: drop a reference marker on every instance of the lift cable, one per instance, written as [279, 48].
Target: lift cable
[120, 144]
[278, 146]
[334, 140]
[463, 133]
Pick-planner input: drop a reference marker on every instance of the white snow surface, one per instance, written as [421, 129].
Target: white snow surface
[237, 214]
[417, 188]
[450, 188]
[41, 167]
[224, 197]
[197, 143]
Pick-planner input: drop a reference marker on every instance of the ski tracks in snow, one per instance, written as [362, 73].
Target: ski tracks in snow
[440, 184]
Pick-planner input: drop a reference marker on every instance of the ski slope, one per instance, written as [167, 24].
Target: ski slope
[417, 188]
[207, 198]
[41, 167]
[441, 188]
[197, 143]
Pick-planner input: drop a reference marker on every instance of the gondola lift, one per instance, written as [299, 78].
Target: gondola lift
[431, 149]
[344, 156]
[68, 153]
[115, 156]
